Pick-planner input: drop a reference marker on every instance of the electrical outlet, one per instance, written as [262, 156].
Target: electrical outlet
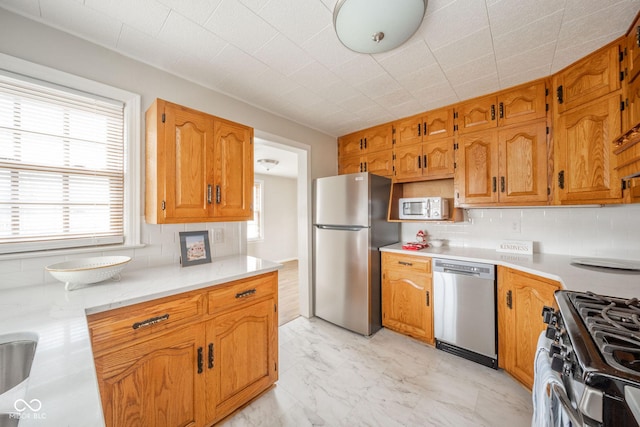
[515, 226]
[218, 235]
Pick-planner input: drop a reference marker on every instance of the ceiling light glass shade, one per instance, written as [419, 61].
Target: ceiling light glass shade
[374, 26]
[268, 163]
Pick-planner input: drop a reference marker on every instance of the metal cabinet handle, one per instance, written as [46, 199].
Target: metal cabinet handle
[424, 160]
[424, 126]
[509, 300]
[245, 294]
[405, 263]
[494, 184]
[419, 130]
[209, 194]
[427, 298]
[218, 194]
[200, 360]
[419, 162]
[501, 110]
[561, 179]
[560, 94]
[210, 364]
[493, 112]
[502, 184]
[150, 321]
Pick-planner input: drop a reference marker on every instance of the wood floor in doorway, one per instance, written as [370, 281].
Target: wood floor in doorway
[288, 294]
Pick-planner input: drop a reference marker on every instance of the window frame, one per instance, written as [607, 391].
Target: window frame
[259, 209]
[132, 150]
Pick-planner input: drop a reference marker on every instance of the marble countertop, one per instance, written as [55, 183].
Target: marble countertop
[613, 282]
[62, 389]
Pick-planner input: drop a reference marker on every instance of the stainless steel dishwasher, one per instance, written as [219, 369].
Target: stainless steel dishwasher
[464, 310]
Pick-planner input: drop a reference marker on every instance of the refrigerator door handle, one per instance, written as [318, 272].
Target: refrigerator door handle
[340, 227]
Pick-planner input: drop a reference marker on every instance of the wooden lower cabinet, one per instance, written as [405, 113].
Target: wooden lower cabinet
[407, 294]
[521, 297]
[188, 374]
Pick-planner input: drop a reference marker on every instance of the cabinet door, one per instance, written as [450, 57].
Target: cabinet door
[476, 177]
[156, 382]
[523, 163]
[633, 104]
[522, 104]
[521, 297]
[233, 190]
[633, 49]
[409, 131]
[477, 114]
[352, 164]
[380, 163]
[439, 124]
[378, 138]
[438, 159]
[585, 162]
[588, 79]
[188, 155]
[350, 145]
[245, 349]
[408, 162]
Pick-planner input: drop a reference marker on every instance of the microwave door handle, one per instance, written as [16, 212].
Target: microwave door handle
[428, 208]
[574, 415]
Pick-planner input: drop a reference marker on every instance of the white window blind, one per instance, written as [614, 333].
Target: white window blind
[61, 167]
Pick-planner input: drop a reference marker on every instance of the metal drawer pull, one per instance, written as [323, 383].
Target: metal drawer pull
[405, 263]
[151, 321]
[245, 294]
[210, 355]
[200, 361]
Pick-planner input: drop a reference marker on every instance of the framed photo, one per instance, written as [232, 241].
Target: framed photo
[194, 247]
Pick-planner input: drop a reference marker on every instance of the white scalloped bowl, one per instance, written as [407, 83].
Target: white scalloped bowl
[85, 271]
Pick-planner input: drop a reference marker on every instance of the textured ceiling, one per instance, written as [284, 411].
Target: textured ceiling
[284, 57]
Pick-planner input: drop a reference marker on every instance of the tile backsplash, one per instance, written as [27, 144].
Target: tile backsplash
[161, 247]
[608, 231]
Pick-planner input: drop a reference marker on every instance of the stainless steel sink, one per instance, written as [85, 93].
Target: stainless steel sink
[16, 357]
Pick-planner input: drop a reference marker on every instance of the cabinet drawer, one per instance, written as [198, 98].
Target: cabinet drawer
[242, 292]
[406, 262]
[139, 321]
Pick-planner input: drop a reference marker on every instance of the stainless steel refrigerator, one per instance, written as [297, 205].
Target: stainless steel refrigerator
[350, 224]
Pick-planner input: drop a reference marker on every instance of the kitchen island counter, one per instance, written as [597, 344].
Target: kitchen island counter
[62, 389]
[613, 282]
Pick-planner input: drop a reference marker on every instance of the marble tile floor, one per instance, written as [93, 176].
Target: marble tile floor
[332, 377]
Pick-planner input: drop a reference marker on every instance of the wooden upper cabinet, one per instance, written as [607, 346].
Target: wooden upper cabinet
[429, 160]
[350, 145]
[378, 138]
[477, 169]
[523, 164]
[379, 163]
[436, 124]
[369, 150]
[592, 77]
[233, 172]
[477, 114]
[199, 168]
[584, 159]
[522, 104]
[633, 51]
[632, 105]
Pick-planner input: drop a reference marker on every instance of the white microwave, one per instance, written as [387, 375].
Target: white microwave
[424, 208]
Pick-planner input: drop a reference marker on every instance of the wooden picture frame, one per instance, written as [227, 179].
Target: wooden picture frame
[194, 248]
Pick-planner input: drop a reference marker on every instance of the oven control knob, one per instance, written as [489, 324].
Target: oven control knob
[557, 363]
[554, 349]
[551, 333]
[548, 315]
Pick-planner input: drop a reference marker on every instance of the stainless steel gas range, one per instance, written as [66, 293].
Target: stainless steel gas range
[588, 362]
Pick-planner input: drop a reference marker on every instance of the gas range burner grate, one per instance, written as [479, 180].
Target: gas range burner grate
[614, 325]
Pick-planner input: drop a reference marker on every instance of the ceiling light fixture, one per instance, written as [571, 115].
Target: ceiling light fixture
[268, 164]
[374, 26]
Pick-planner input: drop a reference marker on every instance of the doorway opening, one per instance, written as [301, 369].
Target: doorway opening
[284, 175]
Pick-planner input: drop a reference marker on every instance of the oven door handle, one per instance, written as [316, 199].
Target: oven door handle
[574, 416]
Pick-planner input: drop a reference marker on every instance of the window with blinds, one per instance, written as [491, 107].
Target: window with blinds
[255, 226]
[61, 167]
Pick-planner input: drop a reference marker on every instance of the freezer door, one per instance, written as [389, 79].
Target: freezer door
[342, 281]
[342, 200]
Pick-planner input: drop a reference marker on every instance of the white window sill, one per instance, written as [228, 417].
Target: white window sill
[64, 252]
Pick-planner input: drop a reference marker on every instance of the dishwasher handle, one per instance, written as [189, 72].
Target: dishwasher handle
[460, 272]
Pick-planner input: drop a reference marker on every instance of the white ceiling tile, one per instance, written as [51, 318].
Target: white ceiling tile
[483, 66]
[428, 76]
[530, 74]
[327, 50]
[22, 7]
[196, 10]
[274, 83]
[434, 93]
[474, 88]
[255, 5]
[358, 69]
[186, 36]
[297, 19]
[315, 76]
[465, 50]
[453, 22]
[528, 37]
[136, 44]
[378, 86]
[567, 56]
[283, 55]
[82, 20]
[405, 109]
[355, 103]
[521, 63]
[507, 16]
[197, 70]
[394, 98]
[408, 58]
[237, 63]
[147, 16]
[240, 26]
[339, 91]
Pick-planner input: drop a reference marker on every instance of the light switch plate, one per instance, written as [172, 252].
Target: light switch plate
[516, 247]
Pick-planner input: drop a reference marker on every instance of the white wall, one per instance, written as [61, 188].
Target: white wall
[609, 231]
[280, 241]
[34, 42]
